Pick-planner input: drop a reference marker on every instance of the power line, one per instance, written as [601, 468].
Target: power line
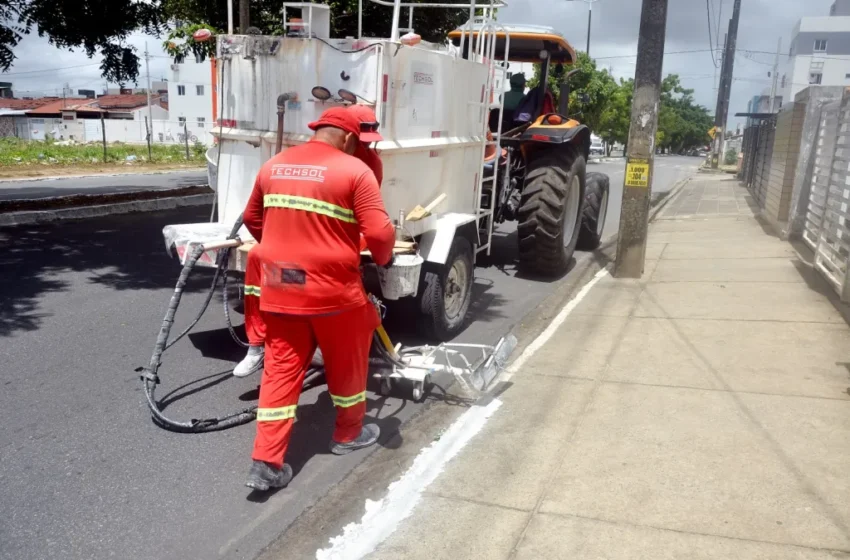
[717, 26]
[710, 42]
[50, 69]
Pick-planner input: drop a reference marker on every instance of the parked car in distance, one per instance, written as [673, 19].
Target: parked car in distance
[597, 148]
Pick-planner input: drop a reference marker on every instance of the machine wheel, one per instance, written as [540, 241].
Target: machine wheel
[446, 292]
[386, 386]
[595, 211]
[550, 211]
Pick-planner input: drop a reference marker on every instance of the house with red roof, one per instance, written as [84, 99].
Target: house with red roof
[80, 119]
[13, 115]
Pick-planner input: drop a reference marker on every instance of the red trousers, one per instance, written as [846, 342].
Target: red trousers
[255, 327]
[291, 340]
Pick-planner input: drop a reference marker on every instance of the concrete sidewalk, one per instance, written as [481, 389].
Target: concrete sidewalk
[701, 412]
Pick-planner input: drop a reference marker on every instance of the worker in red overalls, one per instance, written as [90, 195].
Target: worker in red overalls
[255, 328]
[309, 205]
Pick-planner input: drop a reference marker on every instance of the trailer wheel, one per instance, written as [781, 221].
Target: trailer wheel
[595, 211]
[550, 210]
[446, 292]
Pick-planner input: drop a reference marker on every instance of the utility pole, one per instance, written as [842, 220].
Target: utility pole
[634, 218]
[720, 117]
[775, 75]
[149, 124]
[589, 19]
[244, 17]
[718, 110]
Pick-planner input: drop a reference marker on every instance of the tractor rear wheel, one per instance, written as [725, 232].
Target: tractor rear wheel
[550, 210]
[595, 211]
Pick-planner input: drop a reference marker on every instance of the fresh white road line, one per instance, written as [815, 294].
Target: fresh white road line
[382, 517]
[385, 515]
[556, 323]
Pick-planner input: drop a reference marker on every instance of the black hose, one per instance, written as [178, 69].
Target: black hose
[150, 377]
[150, 374]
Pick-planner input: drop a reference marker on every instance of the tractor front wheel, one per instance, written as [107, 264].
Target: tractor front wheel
[595, 211]
[550, 210]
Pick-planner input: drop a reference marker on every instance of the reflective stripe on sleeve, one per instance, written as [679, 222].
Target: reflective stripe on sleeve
[345, 402]
[252, 290]
[276, 414]
[309, 205]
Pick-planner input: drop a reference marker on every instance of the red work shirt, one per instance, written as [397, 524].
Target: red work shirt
[309, 205]
[371, 158]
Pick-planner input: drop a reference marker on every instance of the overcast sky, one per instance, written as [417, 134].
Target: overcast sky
[613, 43]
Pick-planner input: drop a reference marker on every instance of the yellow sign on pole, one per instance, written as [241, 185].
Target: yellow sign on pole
[637, 173]
[712, 132]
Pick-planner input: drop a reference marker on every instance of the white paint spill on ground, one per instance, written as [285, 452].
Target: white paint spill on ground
[382, 517]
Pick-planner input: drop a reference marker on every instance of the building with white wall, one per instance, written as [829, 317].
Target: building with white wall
[819, 52]
[190, 97]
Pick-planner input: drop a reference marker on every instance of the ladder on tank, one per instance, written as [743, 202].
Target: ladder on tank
[482, 48]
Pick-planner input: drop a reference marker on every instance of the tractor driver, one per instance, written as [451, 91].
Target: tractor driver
[255, 328]
[309, 206]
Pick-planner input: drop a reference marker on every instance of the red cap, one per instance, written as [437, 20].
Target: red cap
[338, 117]
[368, 123]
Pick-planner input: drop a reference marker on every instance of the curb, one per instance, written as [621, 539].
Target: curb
[674, 192]
[96, 175]
[82, 212]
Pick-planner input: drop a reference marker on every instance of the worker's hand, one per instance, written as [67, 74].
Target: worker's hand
[390, 262]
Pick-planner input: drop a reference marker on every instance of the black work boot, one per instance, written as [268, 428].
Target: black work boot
[264, 476]
[368, 436]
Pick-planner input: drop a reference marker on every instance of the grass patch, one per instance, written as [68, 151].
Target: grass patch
[15, 152]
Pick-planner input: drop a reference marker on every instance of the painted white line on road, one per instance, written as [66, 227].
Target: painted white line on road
[556, 323]
[383, 517]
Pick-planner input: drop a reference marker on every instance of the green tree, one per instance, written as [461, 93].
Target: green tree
[103, 26]
[590, 83]
[95, 26]
[684, 123]
[615, 120]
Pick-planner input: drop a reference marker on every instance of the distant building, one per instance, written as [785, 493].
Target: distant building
[819, 53]
[761, 104]
[190, 97]
[6, 90]
[79, 119]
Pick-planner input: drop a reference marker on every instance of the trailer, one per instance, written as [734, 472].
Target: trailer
[435, 104]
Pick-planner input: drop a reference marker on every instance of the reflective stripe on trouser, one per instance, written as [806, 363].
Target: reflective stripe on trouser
[309, 205]
[276, 414]
[255, 328]
[291, 340]
[345, 402]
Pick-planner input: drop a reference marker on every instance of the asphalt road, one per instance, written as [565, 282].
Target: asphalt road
[46, 188]
[83, 471]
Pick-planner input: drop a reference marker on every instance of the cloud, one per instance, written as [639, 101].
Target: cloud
[44, 69]
[616, 23]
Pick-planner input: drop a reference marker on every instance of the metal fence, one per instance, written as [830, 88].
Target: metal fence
[797, 167]
[832, 249]
[824, 150]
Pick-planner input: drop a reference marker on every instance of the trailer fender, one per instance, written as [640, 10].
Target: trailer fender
[434, 245]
